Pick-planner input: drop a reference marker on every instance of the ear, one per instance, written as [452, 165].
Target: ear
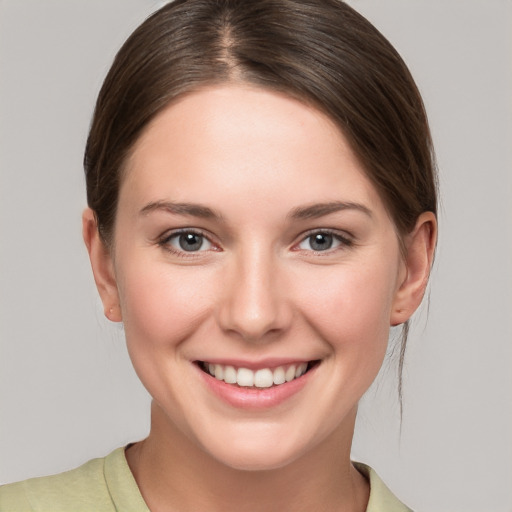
[102, 266]
[419, 246]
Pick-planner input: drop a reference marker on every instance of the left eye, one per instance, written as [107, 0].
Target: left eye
[320, 242]
[189, 242]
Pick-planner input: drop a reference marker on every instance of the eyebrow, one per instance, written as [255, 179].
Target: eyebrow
[192, 209]
[315, 211]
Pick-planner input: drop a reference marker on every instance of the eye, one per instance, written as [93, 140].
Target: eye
[187, 241]
[323, 241]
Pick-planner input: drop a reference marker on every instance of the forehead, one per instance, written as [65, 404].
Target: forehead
[247, 141]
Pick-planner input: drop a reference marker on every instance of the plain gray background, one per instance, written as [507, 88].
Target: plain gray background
[67, 390]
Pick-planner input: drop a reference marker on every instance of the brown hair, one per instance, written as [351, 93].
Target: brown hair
[319, 51]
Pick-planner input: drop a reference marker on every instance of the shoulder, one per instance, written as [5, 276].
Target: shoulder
[381, 498]
[94, 486]
[82, 488]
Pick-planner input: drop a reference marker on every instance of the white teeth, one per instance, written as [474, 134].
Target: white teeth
[301, 369]
[245, 377]
[290, 373]
[279, 377]
[219, 372]
[263, 378]
[229, 375]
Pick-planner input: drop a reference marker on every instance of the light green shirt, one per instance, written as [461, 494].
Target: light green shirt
[107, 485]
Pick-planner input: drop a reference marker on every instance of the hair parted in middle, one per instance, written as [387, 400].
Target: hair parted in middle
[321, 52]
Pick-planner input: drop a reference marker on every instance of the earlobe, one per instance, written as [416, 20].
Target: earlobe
[419, 245]
[102, 266]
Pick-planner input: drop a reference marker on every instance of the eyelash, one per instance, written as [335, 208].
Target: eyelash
[165, 240]
[344, 241]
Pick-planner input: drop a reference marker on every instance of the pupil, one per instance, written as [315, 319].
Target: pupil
[321, 242]
[191, 242]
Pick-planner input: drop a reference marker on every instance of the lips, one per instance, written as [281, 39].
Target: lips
[258, 378]
[250, 386]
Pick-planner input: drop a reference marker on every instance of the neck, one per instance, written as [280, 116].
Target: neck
[176, 475]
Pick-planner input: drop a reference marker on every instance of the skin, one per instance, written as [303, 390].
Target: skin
[256, 290]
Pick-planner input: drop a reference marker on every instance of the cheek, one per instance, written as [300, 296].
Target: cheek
[351, 306]
[159, 302]
[163, 306]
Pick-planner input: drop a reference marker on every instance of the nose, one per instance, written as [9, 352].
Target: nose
[254, 305]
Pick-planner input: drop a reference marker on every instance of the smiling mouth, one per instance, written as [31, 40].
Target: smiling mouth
[262, 378]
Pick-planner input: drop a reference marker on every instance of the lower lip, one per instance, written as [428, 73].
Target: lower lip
[255, 398]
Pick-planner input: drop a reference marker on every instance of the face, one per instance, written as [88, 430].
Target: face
[257, 273]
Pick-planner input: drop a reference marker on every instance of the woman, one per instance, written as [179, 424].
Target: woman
[262, 208]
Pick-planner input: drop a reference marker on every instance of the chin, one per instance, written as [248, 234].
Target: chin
[257, 460]
[254, 452]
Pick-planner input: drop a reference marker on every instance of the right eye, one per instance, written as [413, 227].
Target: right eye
[186, 242]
